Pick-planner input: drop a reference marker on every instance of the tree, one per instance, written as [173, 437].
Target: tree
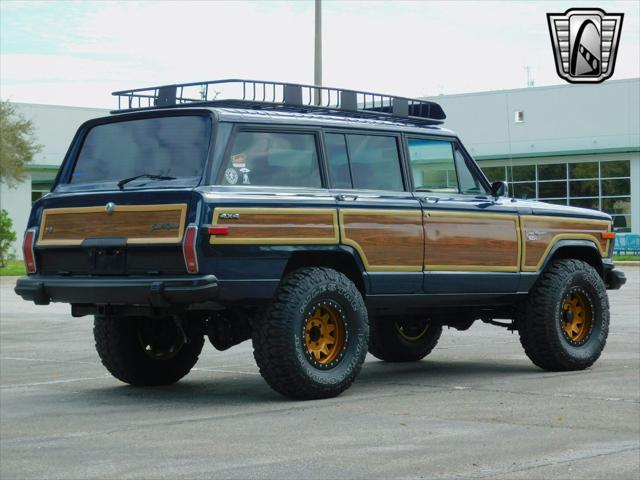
[18, 144]
[7, 236]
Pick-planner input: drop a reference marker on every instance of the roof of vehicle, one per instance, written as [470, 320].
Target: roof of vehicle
[311, 118]
[241, 115]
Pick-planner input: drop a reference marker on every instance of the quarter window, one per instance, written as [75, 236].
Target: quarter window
[469, 183]
[273, 159]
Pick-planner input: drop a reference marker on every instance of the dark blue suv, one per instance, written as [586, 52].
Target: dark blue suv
[320, 223]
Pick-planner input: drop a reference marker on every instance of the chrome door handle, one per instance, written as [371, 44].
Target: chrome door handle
[429, 199]
[346, 198]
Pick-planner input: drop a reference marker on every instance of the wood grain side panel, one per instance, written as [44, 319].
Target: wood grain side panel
[386, 240]
[277, 225]
[458, 241]
[139, 224]
[541, 233]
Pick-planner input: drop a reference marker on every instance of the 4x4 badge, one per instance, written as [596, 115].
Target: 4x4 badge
[109, 208]
[585, 43]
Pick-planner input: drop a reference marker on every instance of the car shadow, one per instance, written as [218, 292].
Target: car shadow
[238, 390]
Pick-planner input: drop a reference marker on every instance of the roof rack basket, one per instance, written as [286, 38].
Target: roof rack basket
[277, 96]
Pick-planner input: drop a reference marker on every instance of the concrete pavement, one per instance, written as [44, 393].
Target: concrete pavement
[475, 408]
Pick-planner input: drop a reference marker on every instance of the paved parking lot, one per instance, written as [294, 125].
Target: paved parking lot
[476, 408]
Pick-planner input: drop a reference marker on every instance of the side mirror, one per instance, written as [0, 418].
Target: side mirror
[499, 189]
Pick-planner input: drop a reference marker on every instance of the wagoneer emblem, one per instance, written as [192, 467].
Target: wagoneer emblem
[164, 226]
[229, 216]
[109, 208]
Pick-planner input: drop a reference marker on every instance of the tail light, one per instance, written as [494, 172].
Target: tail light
[189, 248]
[28, 250]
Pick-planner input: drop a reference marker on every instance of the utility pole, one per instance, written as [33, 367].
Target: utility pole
[530, 81]
[317, 65]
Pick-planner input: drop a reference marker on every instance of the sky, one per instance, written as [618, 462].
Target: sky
[77, 53]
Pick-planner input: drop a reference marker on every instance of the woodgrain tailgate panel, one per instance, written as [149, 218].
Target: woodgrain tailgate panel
[138, 223]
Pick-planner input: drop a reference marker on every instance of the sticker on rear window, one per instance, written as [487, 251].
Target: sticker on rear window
[231, 176]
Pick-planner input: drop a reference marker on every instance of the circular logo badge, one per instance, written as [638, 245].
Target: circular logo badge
[231, 176]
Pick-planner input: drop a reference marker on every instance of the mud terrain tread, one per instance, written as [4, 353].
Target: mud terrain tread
[274, 349]
[124, 358]
[537, 332]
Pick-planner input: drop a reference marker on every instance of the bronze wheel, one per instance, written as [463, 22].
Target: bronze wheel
[325, 334]
[313, 339]
[412, 329]
[577, 315]
[564, 322]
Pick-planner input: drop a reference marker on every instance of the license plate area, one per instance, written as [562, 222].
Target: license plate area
[106, 256]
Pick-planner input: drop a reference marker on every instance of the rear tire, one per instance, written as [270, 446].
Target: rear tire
[564, 323]
[146, 351]
[313, 339]
[402, 339]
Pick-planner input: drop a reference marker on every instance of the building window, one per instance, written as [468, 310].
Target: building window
[604, 186]
[519, 116]
[36, 195]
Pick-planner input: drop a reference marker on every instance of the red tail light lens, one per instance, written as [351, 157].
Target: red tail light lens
[189, 248]
[28, 250]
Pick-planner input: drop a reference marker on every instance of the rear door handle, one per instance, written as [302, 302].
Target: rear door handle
[429, 199]
[346, 198]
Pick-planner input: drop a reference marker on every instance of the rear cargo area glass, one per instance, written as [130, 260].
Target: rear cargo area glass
[173, 146]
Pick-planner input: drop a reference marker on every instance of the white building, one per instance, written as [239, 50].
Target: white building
[568, 144]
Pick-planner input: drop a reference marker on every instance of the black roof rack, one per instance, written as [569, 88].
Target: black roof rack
[278, 96]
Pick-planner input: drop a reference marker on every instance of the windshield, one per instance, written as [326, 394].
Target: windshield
[174, 147]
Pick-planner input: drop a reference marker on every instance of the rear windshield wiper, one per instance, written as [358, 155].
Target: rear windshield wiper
[123, 182]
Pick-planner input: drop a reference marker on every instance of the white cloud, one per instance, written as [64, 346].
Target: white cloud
[410, 48]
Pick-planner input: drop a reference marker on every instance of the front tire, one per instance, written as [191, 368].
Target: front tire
[146, 351]
[313, 339]
[564, 323]
[402, 339]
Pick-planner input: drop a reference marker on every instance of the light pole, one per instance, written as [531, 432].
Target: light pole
[317, 65]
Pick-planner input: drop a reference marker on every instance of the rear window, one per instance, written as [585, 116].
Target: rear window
[168, 146]
[273, 159]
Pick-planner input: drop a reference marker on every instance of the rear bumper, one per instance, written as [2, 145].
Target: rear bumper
[155, 291]
[613, 278]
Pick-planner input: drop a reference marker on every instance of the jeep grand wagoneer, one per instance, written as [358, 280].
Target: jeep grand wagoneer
[320, 230]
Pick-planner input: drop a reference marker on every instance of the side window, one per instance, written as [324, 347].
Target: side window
[338, 159]
[432, 166]
[273, 159]
[469, 184]
[375, 163]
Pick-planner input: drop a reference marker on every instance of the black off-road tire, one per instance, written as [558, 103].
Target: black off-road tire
[279, 338]
[540, 318]
[387, 341]
[120, 348]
